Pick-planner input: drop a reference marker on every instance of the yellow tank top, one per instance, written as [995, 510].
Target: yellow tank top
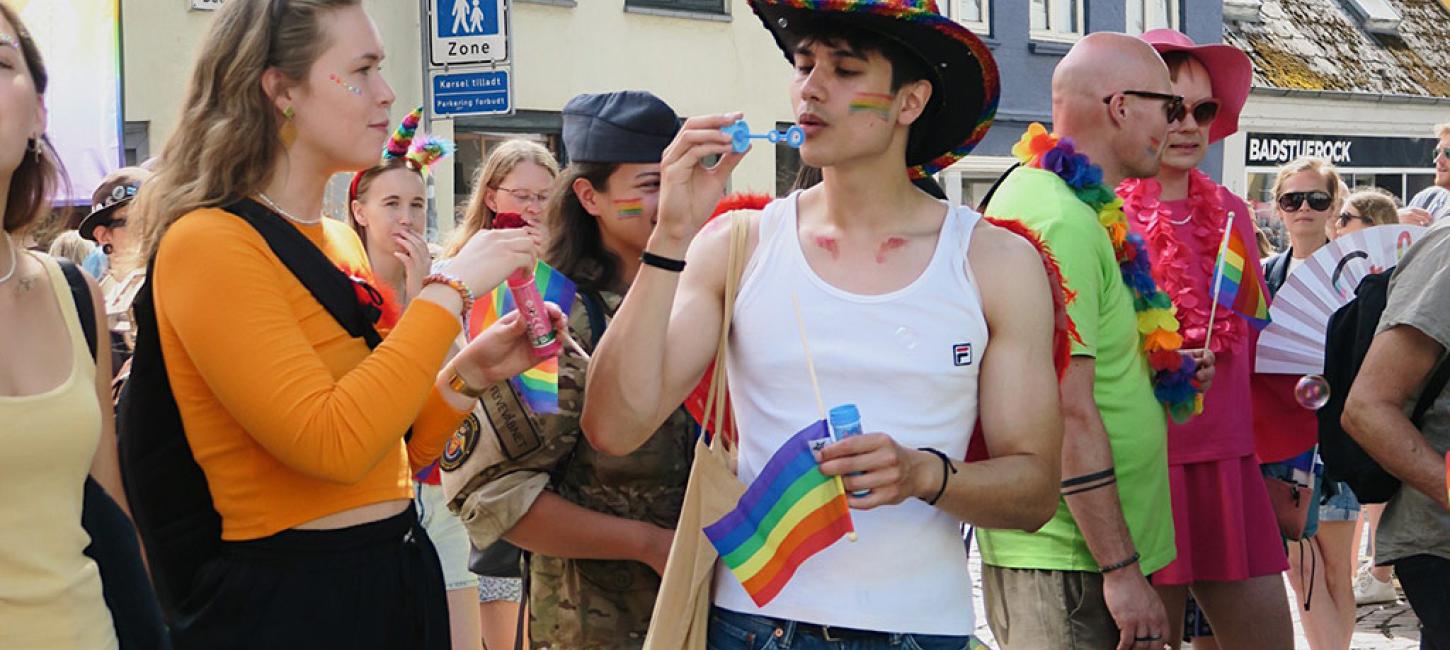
[50, 592]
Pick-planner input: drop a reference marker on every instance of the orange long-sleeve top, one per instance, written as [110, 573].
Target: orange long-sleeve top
[289, 417]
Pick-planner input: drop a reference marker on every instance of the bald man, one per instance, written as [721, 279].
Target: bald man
[1079, 582]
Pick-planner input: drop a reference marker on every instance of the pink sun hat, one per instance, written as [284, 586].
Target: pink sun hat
[1229, 70]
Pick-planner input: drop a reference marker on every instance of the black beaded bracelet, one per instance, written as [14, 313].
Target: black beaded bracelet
[659, 262]
[1133, 559]
[947, 470]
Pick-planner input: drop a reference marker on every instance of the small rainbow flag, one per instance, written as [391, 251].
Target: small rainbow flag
[1240, 286]
[789, 513]
[539, 385]
[874, 102]
[629, 208]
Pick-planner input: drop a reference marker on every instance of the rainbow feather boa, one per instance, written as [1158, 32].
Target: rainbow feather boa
[1173, 381]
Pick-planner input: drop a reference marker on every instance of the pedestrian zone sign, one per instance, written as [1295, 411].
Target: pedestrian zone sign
[468, 32]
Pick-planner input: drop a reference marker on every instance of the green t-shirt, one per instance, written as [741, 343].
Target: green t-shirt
[1103, 314]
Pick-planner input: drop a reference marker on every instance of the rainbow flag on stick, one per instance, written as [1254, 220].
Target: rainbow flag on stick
[789, 513]
[539, 385]
[1239, 285]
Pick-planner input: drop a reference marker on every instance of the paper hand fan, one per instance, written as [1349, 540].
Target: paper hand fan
[1293, 343]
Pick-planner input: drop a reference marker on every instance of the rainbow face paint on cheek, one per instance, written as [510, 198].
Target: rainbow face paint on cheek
[345, 85]
[629, 208]
[878, 103]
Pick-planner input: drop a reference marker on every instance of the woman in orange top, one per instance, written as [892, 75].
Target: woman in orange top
[298, 426]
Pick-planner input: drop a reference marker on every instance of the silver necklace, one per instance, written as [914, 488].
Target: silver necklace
[14, 258]
[278, 209]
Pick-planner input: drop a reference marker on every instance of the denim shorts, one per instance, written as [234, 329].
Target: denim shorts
[1285, 472]
[735, 631]
[1342, 506]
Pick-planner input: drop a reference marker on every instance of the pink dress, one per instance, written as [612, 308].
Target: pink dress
[1224, 525]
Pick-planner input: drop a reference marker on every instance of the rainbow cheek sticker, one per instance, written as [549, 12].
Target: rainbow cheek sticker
[629, 208]
[345, 85]
[878, 103]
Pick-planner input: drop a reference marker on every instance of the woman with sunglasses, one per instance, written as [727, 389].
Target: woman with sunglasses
[1362, 209]
[1229, 554]
[307, 437]
[1308, 193]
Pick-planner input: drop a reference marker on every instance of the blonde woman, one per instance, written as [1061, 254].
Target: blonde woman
[1308, 193]
[1365, 208]
[298, 426]
[516, 177]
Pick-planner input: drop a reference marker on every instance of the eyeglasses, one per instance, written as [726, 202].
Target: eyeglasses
[1290, 201]
[1345, 218]
[1172, 104]
[525, 196]
[1437, 153]
[1204, 112]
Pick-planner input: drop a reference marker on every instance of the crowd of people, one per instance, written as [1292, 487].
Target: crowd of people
[318, 440]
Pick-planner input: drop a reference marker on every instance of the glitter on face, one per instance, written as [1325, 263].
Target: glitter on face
[345, 85]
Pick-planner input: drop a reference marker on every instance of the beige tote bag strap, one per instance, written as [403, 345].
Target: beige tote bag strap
[715, 402]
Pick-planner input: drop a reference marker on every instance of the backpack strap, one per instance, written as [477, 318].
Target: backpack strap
[80, 291]
[332, 288]
[594, 309]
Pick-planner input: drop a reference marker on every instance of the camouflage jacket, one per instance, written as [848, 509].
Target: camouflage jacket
[574, 604]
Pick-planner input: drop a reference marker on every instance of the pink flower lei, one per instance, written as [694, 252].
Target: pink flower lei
[1172, 257]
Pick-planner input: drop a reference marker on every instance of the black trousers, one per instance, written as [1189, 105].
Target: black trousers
[376, 586]
[1426, 579]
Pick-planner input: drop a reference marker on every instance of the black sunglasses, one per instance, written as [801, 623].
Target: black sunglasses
[1204, 112]
[1345, 218]
[1172, 104]
[1318, 200]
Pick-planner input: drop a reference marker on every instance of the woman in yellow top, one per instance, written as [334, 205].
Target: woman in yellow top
[53, 428]
[298, 426]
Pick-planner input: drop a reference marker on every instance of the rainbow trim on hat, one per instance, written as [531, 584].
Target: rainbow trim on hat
[926, 13]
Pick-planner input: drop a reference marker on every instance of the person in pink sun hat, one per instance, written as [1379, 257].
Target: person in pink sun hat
[1229, 551]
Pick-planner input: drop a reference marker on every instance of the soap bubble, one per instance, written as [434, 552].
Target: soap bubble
[1312, 392]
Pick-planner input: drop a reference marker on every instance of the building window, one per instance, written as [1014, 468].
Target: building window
[1148, 15]
[688, 6]
[973, 14]
[1057, 20]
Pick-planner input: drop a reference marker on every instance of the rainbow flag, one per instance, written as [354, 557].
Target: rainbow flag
[1240, 285]
[789, 513]
[539, 385]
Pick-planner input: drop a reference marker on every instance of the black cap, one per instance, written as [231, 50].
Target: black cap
[632, 126]
[116, 189]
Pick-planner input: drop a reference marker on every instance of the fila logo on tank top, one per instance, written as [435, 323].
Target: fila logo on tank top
[909, 360]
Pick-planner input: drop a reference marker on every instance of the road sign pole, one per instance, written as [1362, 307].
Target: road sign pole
[430, 199]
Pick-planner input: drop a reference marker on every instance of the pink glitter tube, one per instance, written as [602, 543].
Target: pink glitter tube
[542, 336]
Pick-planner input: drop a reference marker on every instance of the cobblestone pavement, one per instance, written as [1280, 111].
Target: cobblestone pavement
[1380, 627]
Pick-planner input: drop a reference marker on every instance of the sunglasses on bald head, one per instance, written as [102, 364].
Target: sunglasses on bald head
[1172, 104]
[1317, 200]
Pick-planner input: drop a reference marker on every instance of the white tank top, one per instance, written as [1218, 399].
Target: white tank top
[909, 359]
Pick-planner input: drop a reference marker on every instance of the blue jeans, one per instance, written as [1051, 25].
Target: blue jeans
[735, 631]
